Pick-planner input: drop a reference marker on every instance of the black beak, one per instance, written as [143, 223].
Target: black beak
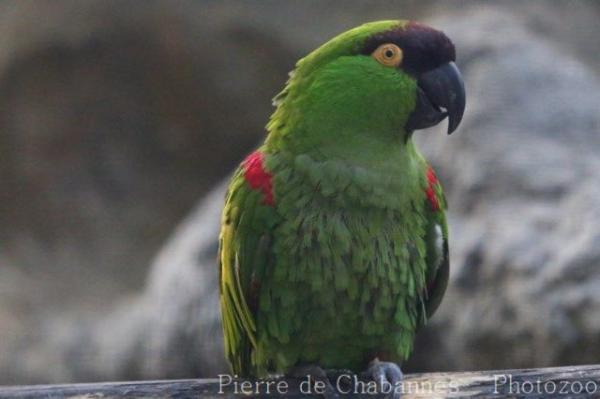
[440, 93]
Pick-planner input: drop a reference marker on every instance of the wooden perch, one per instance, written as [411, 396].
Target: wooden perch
[563, 382]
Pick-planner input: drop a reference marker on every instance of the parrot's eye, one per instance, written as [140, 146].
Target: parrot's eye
[388, 54]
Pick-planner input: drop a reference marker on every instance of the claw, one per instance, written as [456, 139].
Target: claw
[387, 375]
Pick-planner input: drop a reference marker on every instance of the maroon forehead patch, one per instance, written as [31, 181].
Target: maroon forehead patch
[424, 48]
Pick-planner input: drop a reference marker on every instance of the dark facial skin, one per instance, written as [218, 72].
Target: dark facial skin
[428, 56]
[424, 48]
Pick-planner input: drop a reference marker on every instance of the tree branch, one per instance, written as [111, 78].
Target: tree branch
[574, 381]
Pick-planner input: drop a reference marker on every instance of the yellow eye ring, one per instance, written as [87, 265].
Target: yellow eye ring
[388, 54]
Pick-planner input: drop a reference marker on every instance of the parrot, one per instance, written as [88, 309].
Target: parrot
[333, 249]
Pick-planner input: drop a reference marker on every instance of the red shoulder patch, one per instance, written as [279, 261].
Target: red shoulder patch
[257, 176]
[432, 180]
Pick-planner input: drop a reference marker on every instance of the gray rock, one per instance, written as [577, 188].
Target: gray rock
[115, 119]
[521, 179]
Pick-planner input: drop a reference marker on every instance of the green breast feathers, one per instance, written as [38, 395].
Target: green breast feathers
[331, 245]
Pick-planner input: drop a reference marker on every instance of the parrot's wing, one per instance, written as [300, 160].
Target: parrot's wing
[437, 260]
[244, 249]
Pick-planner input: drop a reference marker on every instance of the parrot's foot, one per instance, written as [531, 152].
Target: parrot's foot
[315, 374]
[387, 375]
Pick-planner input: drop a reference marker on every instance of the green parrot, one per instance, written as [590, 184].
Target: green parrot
[334, 242]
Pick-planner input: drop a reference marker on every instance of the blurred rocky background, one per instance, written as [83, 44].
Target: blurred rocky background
[120, 120]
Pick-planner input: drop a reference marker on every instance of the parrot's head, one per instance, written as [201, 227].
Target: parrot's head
[378, 82]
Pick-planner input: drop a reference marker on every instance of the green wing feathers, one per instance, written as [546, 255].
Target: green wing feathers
[437, 258]
[243, 256]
